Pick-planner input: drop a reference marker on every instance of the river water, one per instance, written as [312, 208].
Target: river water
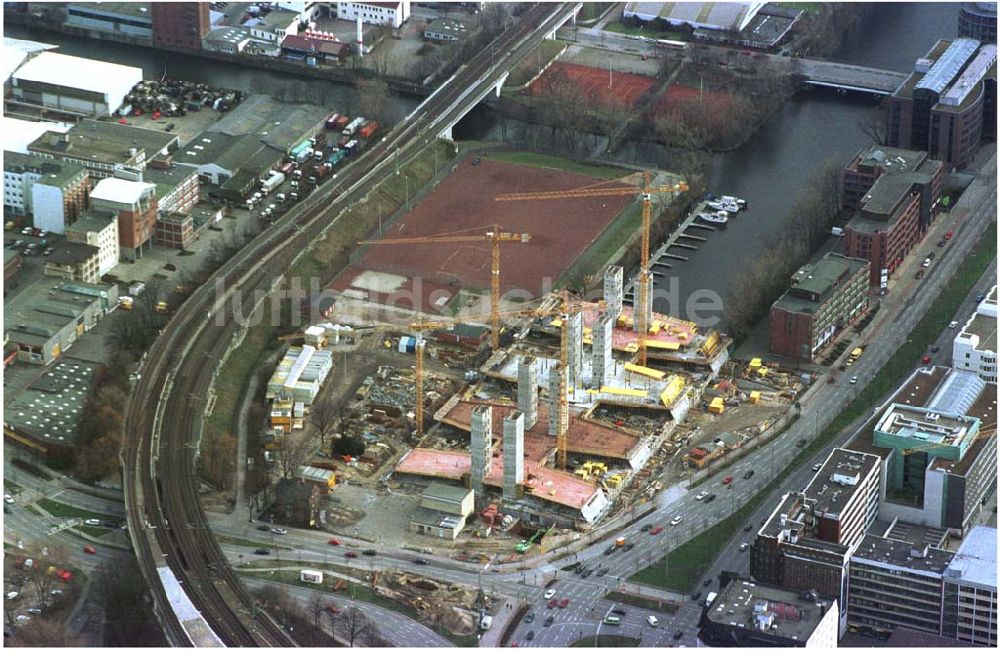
[769, 171]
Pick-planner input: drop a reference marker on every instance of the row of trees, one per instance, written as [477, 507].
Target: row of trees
[753, 292]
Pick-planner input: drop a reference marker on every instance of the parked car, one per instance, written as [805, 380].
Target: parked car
[262, 551]
[619, 611]
[263, 528]
[936, 348]
[854, 380]
[953, 324]
[801, 443]
[530, 618]
[925, 360]
[92, 521]
[550, 594]
[420, 561]
[531, 635]
[548, 621]
[602, 572]
[701, 495]
[948, 235]
[551, 604]
[748, 527]
[629, 546]
[653, 622]
[350, 554]
[369, 552]
[920, 274]
[817, 466]
[678, 634]
[707, 582]
[334, 542]
[279, 530]
[7, 498]
[563, 603]
[926, 263]
[587, 573]
[941, 242]
[980, 297]
[744, 546]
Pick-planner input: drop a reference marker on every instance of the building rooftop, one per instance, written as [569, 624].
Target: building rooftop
[545, 484]
[92, 220]
[18, 134]
[948, 65]
[583, 436]
[975, 561]
[912, 533]
[231, 35]
[766, 609]
[103, 142]
[888, 191]
[167, 179]
[53, 172]
[446, 492]
[723, 15]
[42, 310]
[814, 282]
[121, 191]
[434, 518]
[891, 553]
[890, 159]
[16, 50]
[459, 28]
[971, 76]
[834, 484]
[79, 73]
[984, 328]
[908, 638]
[136, 9]
[907, 87]
[50, 407]
[71, 253]
[278, 124]
[922, 429]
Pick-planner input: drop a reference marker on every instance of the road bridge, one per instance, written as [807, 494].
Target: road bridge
[167, 523]
[844, 76]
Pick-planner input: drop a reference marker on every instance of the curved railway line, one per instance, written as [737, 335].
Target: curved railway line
[164, 414]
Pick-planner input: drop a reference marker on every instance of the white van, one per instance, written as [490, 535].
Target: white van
[653, 622]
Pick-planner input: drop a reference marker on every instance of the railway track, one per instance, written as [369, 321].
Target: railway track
[164, 413]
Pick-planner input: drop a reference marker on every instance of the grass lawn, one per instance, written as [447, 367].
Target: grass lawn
[32, 509]
[558, 163]
[364, 593]
[808, 7]
[533, 63]
[96, 532]
[60, 509]
[592, 10]
[646, 30]
[688, 562]
[644, 603]
[625, 226]
[606, 640]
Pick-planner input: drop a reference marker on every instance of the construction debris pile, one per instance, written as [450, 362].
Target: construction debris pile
[175, 98]
[439, 602]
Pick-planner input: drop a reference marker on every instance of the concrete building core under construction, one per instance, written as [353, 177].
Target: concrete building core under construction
[513, 454]
[527, 391]
[481, 447]
[614, 290]
[603, 360]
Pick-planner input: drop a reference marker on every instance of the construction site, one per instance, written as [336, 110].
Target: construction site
[492, 435]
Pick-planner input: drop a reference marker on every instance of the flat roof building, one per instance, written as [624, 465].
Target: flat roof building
[132, 19]
[74, 261]
[749, 614]
[970, 589]
[975, 346]
[47, 412]
[99, 229]
[53, 192]
[939, 460]
[73, 84]
[825, 297]
[104, 147]
[46, 319]
[978, 20]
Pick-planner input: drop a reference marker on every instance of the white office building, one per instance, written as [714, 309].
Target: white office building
[393, 14]
[74, 84]
[975, 347]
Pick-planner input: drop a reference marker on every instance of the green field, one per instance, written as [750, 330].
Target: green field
[691, 560]
[68, 511]
[646, 30]
[557, 163]
[533, 63]
[592, 10]
[606, 640]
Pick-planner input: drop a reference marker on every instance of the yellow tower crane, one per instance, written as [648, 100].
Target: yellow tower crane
[597, 190]
[494, 235]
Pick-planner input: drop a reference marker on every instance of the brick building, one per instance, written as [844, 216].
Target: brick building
[825, 297]
[175, 230]
[180, 24]
[74, 262]
[894, 211]
[134, 202]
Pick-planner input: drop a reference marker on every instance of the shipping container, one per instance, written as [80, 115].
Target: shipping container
[350, 146]
[304, 145]
[369, 129]
[304, 155]
[336, 156]
[353, 125]
[342, 122]
[331, 122]
[275, 180]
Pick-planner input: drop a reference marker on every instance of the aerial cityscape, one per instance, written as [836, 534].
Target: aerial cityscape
[500, 324]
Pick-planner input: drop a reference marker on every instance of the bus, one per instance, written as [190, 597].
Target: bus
[612, 620]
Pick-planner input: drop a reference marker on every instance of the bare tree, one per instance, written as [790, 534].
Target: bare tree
[372, 98]
[874, 126]
[294, 454]
[324, 416]
[356, 625]
[317, 605]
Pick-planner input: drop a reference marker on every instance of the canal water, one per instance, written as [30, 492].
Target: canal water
[770, 171]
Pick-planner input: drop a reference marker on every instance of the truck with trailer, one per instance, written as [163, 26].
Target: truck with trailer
[311, 576]
[336, 156]
[275, 180]
[341, 122]
[304, 155]
[353, 125]
[299, 148]
[331, 122]
[350, 147]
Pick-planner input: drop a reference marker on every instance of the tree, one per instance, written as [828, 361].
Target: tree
[44, 554]
[372, 98]
[874, 126]
[317, 605]
[294, 454]
[324, 416]
[98, 459]
[356, 625]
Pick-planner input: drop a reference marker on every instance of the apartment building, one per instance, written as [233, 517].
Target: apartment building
[134, 202]
[54, 193]
[393, 14]
[970, 589]
[98, 229]
[824, 298]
